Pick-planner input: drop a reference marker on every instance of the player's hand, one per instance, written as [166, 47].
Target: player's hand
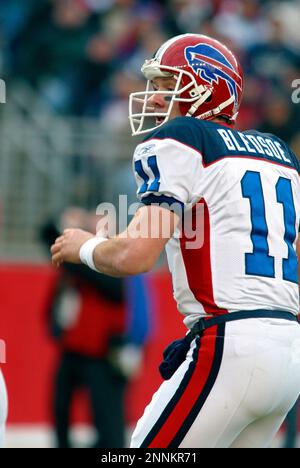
[66, 247]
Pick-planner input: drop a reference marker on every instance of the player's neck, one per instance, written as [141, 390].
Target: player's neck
[224, 122]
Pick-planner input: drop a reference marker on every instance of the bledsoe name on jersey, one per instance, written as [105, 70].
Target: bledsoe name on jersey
[253, 144]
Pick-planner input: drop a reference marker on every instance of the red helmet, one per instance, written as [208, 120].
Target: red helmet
[209, 80]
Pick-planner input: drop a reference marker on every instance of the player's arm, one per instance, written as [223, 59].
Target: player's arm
[166, 170]
[132, 252]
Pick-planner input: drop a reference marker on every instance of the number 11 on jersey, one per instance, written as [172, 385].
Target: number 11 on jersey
[260, 263]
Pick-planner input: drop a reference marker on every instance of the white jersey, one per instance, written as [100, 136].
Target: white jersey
[244, 189]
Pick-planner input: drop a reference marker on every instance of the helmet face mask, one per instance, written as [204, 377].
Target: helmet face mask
[185, 94]
[208, 82]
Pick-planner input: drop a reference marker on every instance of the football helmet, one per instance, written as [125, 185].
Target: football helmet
[209, 82]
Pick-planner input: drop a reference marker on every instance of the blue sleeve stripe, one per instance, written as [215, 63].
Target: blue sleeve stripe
[173, 204]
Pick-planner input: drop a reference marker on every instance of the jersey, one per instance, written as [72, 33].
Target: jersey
[247, 187]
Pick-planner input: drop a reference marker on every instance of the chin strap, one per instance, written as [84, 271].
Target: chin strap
[198, 103]
[197, 91]
[205, 93]
[217, 110]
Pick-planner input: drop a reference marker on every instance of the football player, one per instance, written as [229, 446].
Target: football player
[233, 378]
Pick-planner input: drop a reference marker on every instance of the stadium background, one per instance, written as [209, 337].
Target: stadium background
[69, 66]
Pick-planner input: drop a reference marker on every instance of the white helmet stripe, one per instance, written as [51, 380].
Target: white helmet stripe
[159, 54]
[166, 45]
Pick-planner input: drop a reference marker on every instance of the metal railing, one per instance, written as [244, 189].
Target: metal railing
[48, 162]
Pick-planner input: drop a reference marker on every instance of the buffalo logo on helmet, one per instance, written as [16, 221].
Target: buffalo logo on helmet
[211, 65]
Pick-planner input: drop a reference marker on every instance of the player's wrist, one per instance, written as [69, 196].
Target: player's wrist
[87, 249]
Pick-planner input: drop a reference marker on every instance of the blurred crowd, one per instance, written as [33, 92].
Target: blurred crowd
[84, 56]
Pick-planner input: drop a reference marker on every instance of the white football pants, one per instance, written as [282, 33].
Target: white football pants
[3, 409]
[233, 390]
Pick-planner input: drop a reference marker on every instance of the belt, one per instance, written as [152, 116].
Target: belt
[205, 323]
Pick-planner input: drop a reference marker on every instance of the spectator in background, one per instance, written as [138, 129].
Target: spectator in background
[116, 109]
[69, 50]
[50, 50]
[13, 17]
[149, 40]
[274, 60]
[288, 12]
[251, 113]
[98, 66]
[242, 22]
[100, 347]
[187, 15]
[279, 117]
[120, 36]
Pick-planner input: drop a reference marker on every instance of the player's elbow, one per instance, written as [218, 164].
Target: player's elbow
[134, 262]
[133, 270]
[132, 267]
